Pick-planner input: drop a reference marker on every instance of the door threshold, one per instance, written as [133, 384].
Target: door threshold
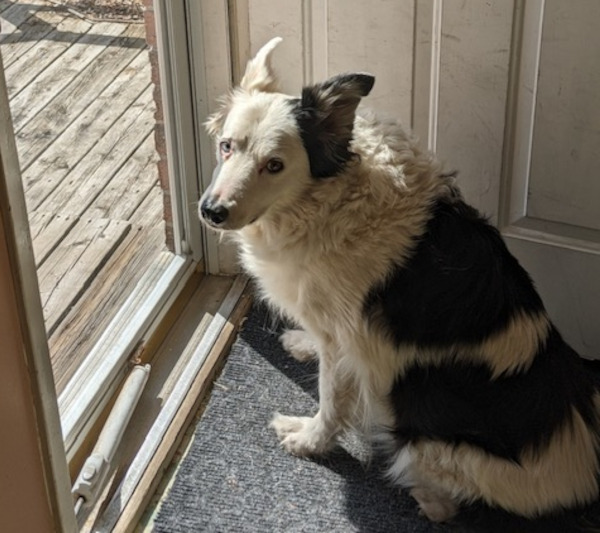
[100, 374]
[183, 369]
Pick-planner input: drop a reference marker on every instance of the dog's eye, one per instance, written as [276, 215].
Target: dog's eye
[274, 166]
[225, 147]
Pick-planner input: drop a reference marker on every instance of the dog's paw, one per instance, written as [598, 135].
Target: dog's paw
[299, 345]
[301, 435]
[434, 506]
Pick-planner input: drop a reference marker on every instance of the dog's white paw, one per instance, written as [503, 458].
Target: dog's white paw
[433, 505]
[301, 435]
[299, 345]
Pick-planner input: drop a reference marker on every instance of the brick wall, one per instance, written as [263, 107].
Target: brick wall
[159, 128]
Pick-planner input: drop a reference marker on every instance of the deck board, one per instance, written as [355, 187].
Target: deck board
[37, 27]
[86, 321]
[14, 14]
[34, 63]
[70, 269]
[91, 175]
[104, 80]
[150, 211]
[44, 174]
[46, 233]
[130, 186]
[81, 98]
[55, 77]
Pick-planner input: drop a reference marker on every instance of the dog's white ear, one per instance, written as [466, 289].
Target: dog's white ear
[259, 75]
[326, 119]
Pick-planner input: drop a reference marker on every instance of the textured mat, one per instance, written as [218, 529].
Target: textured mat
[236, 478]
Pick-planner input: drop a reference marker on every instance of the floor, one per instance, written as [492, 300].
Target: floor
[81, 101]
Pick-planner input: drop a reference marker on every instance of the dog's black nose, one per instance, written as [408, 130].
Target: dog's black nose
[215, 214]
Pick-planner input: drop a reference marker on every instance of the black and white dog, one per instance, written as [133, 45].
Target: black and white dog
[428, 332]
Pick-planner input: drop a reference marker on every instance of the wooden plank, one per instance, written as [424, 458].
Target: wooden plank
[5, 4]
[129, 186]
[37, 59]
[150, 211]
[79, 331]
[29, 34]
[85, 89]
[70, 269]
[13, 14]
[46, 232]
[37, 94]
[85, 133]
[91, 175]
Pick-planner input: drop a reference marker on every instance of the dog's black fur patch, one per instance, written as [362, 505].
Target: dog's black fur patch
[461, 284]
[459, 402]
[325, 116]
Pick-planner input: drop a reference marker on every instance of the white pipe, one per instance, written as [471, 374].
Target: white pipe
[92, 476]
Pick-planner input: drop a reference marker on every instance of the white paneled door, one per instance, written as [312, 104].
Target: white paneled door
[507, 93]
[552, 205]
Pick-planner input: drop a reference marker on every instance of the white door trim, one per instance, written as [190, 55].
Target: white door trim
[172, 28]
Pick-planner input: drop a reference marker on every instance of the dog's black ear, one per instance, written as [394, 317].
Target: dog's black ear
[325, 115]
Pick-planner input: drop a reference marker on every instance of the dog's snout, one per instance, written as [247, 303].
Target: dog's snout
[214, 213]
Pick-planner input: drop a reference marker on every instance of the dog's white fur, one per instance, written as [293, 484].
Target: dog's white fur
[316, 247]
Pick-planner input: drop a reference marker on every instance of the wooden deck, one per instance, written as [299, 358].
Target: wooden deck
[83, 113]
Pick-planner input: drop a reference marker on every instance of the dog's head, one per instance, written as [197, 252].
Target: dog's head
[270, 146]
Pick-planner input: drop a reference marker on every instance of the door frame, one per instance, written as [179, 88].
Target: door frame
[34, 355]
[193, 35]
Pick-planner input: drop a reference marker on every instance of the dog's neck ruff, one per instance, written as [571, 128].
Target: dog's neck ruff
[387, 190]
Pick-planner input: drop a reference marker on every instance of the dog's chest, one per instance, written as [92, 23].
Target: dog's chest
[282, 282]
[290, 282]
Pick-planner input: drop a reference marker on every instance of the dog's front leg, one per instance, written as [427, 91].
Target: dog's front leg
[299, 344]
[312, 436]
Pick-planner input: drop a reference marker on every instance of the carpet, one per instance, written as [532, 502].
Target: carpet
[236, 478]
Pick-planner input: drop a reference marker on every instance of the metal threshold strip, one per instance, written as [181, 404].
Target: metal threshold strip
[100, 374]
[93, 474]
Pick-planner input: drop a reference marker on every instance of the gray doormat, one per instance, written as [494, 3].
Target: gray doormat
[236, 478]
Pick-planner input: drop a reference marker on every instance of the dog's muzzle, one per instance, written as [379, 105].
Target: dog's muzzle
[213, 213]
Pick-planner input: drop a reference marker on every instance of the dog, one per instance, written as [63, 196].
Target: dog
[429, 334]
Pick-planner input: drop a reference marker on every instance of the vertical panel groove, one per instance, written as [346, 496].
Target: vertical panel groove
[533, 17]
[314, 40]
[434, 87]
[426, 70]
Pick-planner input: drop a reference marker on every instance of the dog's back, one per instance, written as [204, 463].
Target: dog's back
[495, 405]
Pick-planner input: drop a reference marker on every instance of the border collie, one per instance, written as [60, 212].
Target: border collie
[428, 332]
